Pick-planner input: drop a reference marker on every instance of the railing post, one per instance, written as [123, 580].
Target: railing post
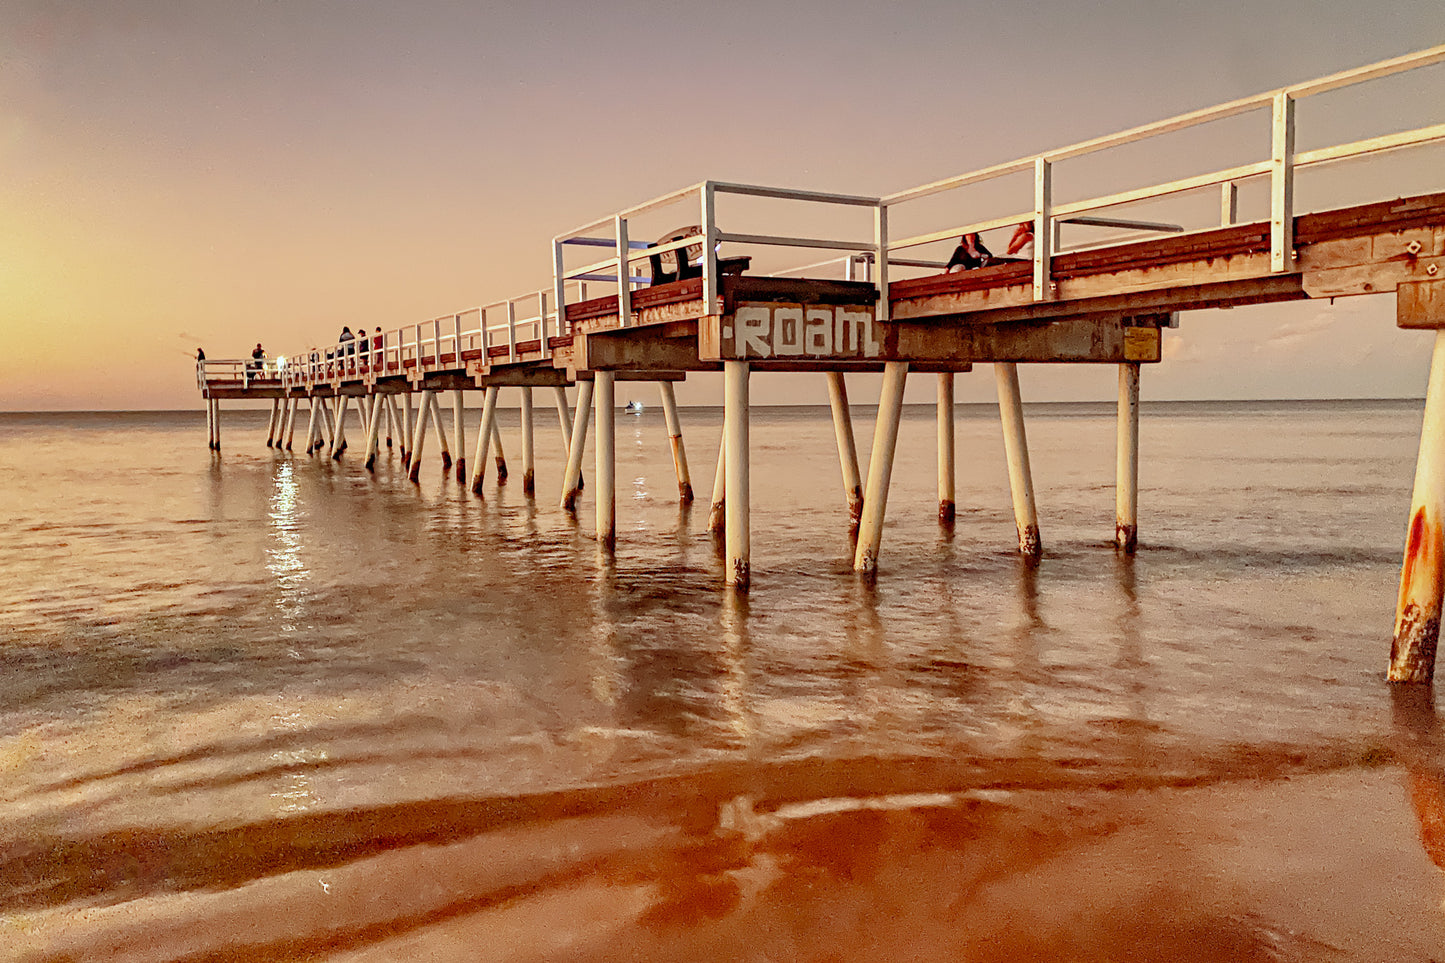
[511, 331]
[1043, 229]
[708, 215]
[880, 259]
[1228, 203]
[542, 322]
[457, 349]
[1281, 185]
[624, 274]
[559, 289]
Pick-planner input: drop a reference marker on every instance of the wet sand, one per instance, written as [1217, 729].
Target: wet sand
[1278, 859]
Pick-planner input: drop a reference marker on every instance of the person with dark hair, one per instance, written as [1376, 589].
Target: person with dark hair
[258, 360]
[969, 254]
[200, 354]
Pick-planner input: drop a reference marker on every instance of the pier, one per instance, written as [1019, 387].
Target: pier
[697, 299]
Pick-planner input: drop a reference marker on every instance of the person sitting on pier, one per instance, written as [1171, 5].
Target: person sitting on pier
[969, 254]
[363, 344]
[1022, 242]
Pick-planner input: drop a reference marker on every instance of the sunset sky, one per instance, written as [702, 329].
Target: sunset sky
[179, 174]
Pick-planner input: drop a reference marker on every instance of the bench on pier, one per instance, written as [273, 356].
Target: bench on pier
[681, 264]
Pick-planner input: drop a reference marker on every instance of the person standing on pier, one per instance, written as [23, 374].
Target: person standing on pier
[258, 360]
[363, 345]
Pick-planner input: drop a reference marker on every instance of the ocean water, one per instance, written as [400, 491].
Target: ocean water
[259, 705]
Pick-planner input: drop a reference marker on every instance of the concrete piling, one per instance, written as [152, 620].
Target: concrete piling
[564, 419]
[946, 458]
[373, 430]
[342, 404]
[408, 425]
[604, 399]
[459, 425]
[271, 423]
[717, 515]
[484, 438]
[1126, 485]
[310, 425]
[1016, 449]
[1417, 614]
[847, 447]
[572, 477]
[674, 434]
[880, 467]
[736, 467]
[500, 458]
[436, 417]
[423, 414]
[529, 477]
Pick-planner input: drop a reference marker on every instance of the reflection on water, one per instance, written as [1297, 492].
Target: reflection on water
[426, 724]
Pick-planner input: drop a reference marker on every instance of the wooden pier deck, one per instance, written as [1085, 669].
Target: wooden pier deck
[677, 306]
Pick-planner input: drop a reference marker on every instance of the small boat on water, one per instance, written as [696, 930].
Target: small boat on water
[633, 408]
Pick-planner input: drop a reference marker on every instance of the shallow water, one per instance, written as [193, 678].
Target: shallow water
[437, 726]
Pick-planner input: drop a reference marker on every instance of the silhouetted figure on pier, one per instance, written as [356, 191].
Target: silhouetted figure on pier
[969, 254]
[257, 362]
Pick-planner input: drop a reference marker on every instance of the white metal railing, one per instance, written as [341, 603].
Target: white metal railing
[1280, 168]
[619, 268]
[449, 341]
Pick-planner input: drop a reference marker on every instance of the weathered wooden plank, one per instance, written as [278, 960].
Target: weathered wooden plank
[1420, 304]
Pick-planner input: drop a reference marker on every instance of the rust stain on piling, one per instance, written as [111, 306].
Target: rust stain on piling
[461, 470]
[684, 491]
[477, 486]
[414, 476]
[446, 461]
[1029, 543]
[501, 470]
[370, 462]
[1126, 537]
[946, 511]
[569, 501]
[1417, 615]
[717, 519]
[742, 574]
[529, 483]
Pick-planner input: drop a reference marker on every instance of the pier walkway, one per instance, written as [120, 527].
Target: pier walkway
[693, 300]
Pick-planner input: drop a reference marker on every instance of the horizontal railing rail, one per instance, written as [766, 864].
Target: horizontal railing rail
[506, 330]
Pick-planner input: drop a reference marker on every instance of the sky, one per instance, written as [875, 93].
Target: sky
[182, 174]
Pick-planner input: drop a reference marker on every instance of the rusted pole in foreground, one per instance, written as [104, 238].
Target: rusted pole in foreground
[572, 477]
[216, 421]
[606, 448]
[880, 467]
[1016, 448]
[1417, 616]
[1126, 483]
[946, 506]
[484, 438]
[736, 467]
[847, 447]
[674, 434]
